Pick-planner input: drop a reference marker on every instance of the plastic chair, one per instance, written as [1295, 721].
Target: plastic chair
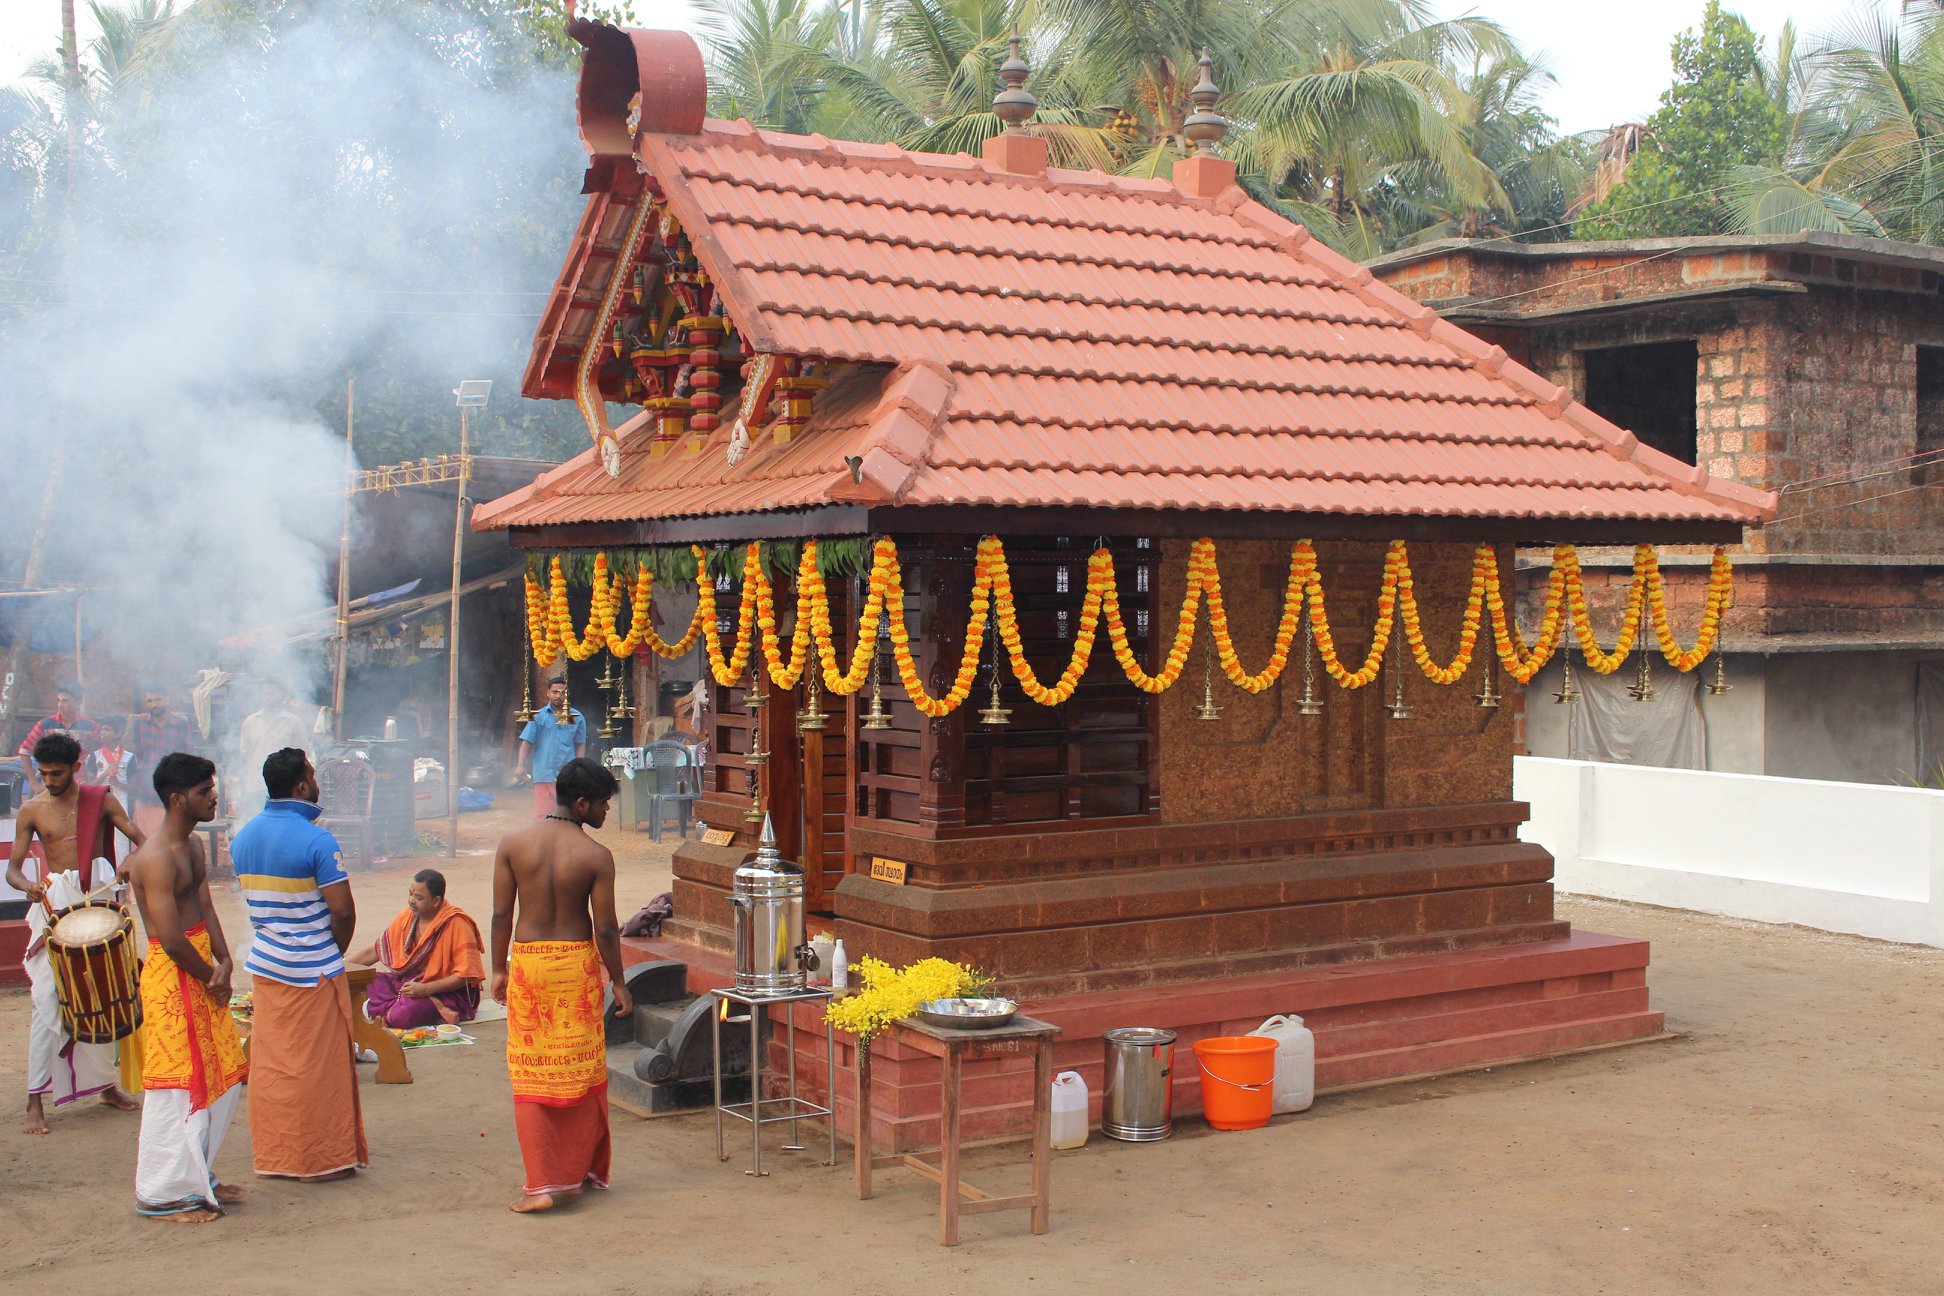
[673, 780]
[347, 787]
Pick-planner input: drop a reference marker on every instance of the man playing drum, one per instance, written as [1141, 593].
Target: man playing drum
[72, 831]
[193, 1068]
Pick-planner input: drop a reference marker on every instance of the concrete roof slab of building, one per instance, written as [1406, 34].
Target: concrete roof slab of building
[1008, 339]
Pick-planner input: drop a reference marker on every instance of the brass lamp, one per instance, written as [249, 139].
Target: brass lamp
[1207, 709]
[1309, 704]
[995, 714]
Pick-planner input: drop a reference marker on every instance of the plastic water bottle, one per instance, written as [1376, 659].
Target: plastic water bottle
[1069, 1110]
[839, 968]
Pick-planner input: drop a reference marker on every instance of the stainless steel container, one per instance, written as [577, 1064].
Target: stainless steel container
[1137, 1104]
[767, 893]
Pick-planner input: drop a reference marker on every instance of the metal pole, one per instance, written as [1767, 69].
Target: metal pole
[452, 650]
[344, 571]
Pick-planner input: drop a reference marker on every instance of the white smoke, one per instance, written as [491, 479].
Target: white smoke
[286, 209]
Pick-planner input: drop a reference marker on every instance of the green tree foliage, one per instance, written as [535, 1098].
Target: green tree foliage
[1353, 116]
[1717, 116]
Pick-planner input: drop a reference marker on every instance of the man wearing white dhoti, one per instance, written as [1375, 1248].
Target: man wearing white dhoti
[65, 829]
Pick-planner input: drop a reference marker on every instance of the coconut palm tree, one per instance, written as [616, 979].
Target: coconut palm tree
[1867, 145]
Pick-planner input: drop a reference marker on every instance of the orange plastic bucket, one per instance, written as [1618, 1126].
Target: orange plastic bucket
[1238, 1080]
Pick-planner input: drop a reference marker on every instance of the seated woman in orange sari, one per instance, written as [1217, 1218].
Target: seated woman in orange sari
[428, 960]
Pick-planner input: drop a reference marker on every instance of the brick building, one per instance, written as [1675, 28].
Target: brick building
[1812, 365]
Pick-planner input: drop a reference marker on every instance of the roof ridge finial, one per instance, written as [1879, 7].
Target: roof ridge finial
[1014, 104]
[1205, 128]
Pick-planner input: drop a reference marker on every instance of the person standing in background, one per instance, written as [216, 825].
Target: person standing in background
[271, 729]
[150, 736]
[551, 739]
[67, 719]
[109, 765]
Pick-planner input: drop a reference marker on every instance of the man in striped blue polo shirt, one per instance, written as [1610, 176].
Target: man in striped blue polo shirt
[305, 1122]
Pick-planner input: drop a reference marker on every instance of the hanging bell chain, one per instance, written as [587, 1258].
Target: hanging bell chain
[811, 717]
[1642, 689]
[877, 717]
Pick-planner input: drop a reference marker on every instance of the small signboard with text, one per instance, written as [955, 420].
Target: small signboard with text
[888, 870]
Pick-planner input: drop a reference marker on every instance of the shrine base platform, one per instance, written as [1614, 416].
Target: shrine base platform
[1375, 1021]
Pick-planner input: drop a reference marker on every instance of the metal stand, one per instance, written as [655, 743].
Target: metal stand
[793, 1108]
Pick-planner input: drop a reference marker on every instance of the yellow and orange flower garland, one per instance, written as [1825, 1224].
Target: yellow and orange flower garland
[813, 639]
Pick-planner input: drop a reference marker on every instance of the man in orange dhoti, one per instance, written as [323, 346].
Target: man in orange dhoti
[562, 882]
[193, 1069]
[428, 960]
[305, 1118]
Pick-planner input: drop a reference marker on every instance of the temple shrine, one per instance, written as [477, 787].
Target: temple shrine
[1100, 577]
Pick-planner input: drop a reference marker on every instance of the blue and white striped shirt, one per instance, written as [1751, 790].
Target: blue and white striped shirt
[282, 861]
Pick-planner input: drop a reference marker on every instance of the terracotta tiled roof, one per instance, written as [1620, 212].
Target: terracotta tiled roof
[1076, 339]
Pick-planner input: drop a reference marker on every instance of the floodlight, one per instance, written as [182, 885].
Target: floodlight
[472, 392]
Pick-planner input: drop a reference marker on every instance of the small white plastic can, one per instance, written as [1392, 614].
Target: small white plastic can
[1069, 1110]
[1295, 1063]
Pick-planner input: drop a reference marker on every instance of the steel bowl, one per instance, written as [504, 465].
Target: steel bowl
[967, 1014]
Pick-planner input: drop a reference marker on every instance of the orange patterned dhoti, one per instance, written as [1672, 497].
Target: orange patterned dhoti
[556, 1054]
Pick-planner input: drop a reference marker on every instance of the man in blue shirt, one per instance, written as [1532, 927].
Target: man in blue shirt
[304, 1117]
[551, 739]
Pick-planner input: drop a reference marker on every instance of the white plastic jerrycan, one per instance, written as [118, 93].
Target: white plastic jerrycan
[1069, 1110]
[1295, 1063]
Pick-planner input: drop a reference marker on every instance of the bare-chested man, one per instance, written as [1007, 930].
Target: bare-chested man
[192, 1064]
[70, 830]
[563, 883]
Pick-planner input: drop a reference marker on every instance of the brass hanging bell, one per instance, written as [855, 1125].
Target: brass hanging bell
[757, 756]
[1487, 696]
[755, 812]
[1567, 694]
[995, 714]
[526, 712]
[1309, 704]
[1398, 708]
[877, 717]
[812, 717]
[1719, 684]
[607, 681]
[1207, 709]
[1642, 689]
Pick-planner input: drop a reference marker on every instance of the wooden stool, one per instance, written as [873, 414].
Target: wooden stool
[369, 1034]
[953, 1048]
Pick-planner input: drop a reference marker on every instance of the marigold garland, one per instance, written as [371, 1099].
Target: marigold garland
[813, 638]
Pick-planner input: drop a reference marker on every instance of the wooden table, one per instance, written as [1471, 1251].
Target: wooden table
[369, 1034]
[953, 1048]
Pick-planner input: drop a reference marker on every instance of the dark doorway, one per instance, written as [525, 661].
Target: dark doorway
[1649, 390]
[1930, 405]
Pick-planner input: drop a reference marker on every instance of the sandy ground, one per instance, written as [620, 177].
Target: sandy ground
[1790, 1142]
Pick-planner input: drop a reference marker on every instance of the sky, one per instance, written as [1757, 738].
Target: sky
[1610, 65]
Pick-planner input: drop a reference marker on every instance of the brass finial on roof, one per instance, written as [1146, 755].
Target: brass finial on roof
[1205, 127]
[1014, 104]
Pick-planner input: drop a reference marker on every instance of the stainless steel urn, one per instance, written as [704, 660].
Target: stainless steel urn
[771, 956]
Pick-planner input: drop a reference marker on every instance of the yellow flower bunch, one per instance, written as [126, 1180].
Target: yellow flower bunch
[1100, 577]
[1721, 580]
[1407, 610]
[785, 674]
[1302, 565]
[728, 671]
[1380, 632]
[1522, 664]
[540, 624]
[890, 993]
[991, 558]
[1201, 563]
[639, 613]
